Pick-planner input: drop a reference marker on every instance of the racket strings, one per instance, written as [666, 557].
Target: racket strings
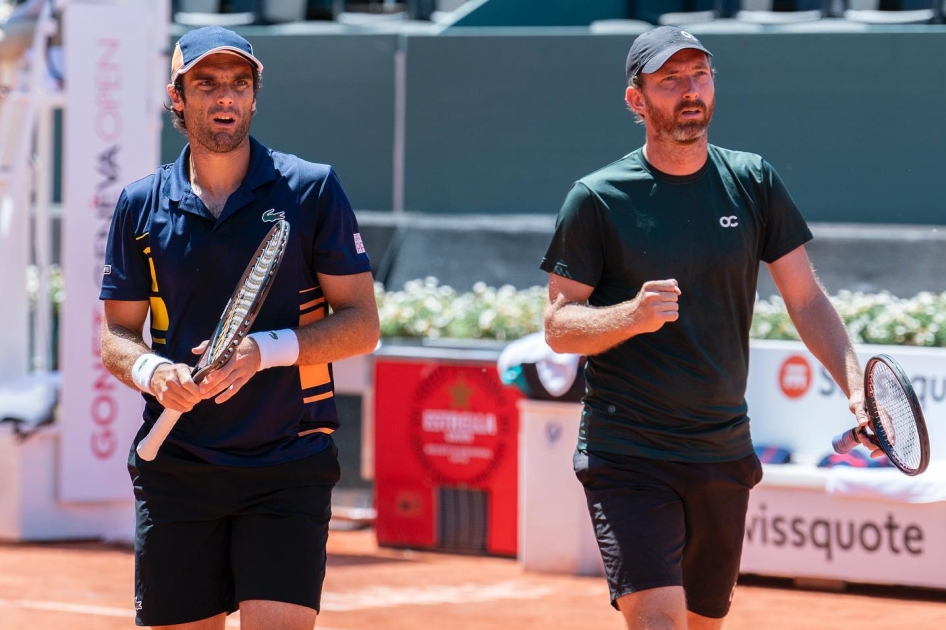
[243, 303]
[894, 421]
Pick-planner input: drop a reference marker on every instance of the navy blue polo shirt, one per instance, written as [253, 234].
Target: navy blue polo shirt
[167, 248]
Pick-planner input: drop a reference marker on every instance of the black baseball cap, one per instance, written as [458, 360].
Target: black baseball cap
[196, 44]
[652, 49]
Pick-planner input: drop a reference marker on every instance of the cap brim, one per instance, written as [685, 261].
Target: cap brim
[220, 49]
[658, 61]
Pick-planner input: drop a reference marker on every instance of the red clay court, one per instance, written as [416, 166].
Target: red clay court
[88, 586]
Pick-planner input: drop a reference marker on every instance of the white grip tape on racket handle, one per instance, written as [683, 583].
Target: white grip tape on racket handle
[845, 442]
[148, 447]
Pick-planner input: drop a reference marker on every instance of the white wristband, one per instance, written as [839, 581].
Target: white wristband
[276, 347]
[143, 370]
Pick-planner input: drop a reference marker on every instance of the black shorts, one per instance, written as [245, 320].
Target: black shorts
[210, 536]
[661, 523]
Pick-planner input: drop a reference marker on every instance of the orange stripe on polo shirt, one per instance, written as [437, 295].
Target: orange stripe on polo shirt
[312, 399]
[313, 316]
[312, 304]
[313, 375]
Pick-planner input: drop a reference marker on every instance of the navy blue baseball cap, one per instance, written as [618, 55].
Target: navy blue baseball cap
[652, 49]
[196, 44]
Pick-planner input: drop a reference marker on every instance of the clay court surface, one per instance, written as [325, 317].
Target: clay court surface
[79, 586]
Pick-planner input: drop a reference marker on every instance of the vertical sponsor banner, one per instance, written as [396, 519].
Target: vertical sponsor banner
[108, 142]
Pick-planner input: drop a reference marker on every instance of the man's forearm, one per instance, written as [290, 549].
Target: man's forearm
[573, 326]
[120, 349]
[823, 332]
[587, 330]
[342, 334]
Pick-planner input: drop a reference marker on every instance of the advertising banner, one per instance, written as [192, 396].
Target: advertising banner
[795, 532]
[799, 526]
[108, 142]
[446, 450]
[794, 403]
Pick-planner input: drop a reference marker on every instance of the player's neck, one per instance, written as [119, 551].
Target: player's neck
[674, 158]
[218, 174]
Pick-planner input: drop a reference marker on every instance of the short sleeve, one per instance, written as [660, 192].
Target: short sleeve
[126, 275]
[785, 228]
[578, 247]
[337, 246]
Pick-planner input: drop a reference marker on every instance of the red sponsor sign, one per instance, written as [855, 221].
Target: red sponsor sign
[795, 375]
[460, 424]
[443, 426]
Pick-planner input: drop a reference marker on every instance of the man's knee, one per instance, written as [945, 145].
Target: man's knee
[699, 622]
[662, 608]
[257, 614]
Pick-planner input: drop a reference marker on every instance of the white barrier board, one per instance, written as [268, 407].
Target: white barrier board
[555, 531]
[794, 402]
[807, 532]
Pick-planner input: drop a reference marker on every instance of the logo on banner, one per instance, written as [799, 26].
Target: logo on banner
[461, 423]
[833, 535]
[553, 431]
[409, 504]
[794, 377]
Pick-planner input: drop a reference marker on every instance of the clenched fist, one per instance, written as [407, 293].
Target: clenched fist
[655, 305]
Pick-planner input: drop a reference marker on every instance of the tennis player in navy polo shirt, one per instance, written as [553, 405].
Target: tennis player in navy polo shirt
[233, 512]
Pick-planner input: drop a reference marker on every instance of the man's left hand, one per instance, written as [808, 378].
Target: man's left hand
[224, 383]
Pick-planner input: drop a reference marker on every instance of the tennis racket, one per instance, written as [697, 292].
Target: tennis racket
[896, 419]
[234, 324]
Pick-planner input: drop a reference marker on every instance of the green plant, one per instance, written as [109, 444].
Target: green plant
[878, 318]
[427, 309]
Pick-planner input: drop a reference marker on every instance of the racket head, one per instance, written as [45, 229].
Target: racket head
[896, 417]
[245, 302]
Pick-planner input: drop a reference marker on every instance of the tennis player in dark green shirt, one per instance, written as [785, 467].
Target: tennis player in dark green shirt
[652, 275]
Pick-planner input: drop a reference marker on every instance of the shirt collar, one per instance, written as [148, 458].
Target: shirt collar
[262, 170]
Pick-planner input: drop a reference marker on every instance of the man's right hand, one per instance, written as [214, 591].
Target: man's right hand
[174, 388]
[655, 305]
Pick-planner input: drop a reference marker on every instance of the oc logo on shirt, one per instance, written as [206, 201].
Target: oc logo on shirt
[730, 221]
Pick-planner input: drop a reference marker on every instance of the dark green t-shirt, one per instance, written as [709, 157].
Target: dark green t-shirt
[678, 393]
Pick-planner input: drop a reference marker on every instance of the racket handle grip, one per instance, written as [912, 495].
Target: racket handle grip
[845, 442]
[147, 448]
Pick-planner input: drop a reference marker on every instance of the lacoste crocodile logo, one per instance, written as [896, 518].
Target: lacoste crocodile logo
[272, 215]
